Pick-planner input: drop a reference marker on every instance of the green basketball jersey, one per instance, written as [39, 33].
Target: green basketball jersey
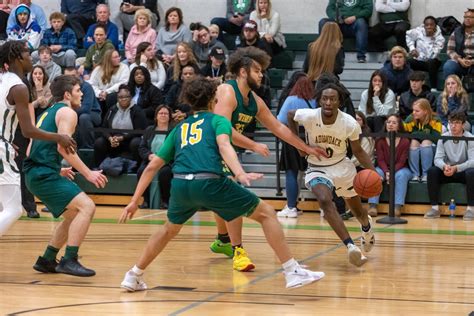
[243, 114]
[45, 153]
[192, 144]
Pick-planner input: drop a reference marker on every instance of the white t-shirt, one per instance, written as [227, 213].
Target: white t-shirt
[331, 137]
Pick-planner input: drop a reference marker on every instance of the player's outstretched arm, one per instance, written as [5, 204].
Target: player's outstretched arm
[147, 176]
[66, 121]
[19, 96]
[361, 155]
[230, 157]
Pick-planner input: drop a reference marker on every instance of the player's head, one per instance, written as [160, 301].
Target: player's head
[248, 64]
[15, 55]
[329, 98]
[66, 88]
[200, 94]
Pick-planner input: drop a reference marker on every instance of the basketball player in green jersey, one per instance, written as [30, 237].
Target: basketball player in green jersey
[62, 196]
[237, 101]
[197, 146]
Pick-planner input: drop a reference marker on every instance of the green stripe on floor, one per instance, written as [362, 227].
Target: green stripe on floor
[296, 227]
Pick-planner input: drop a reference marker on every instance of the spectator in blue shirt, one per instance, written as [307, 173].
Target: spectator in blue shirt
[79, 15]
[61, 40]
[89, 113]
[37, 14]
[103, 15]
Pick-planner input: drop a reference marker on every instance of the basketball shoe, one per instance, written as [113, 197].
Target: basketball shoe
[45, 266]
[73, 267]
[355, 255]
[367, 241]
[242, 262]
[133, 282]
[220, 247]
[291, 212]
[301, 277]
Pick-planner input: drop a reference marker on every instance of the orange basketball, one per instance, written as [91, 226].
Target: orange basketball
[367, 183]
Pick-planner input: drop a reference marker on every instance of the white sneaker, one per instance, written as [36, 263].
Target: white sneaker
[355, 255]
[291, 212]
[301, 277]
[133, 282]
[367, 241]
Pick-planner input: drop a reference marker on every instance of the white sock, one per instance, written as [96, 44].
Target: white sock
[291, 265]
[137, 270]
[10, 206]
[435, 207]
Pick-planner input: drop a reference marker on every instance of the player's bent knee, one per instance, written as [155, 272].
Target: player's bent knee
[262, 212]
[171, 229]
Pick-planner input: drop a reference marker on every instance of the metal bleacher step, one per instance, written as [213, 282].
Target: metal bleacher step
[260, 168]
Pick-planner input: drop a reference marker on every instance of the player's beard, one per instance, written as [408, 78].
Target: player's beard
[253, 84]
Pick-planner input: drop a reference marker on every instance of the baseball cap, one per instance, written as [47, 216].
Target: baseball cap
[217, 52]
[250, 25]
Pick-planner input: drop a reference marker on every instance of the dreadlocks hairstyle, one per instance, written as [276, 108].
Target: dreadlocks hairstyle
[199, 93]
[62, 84]
[245, 57]
[10, 51]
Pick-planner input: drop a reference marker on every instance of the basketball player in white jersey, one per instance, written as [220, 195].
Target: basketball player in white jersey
[15, 63]
[330, 128]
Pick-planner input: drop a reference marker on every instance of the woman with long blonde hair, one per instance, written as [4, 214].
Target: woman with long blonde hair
[325, 54]
[453, 99]
[421, 123]
[268, 25]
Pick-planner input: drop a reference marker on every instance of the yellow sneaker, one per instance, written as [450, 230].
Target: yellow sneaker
[241, 260]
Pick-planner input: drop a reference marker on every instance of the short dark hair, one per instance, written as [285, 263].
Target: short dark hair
[62, 84]
[199, 93]
[417, 76]
[124, 86]
[429, 17]
[457, 116]
[168, 12]
[43, 48]
[245, 57]
[333, 86]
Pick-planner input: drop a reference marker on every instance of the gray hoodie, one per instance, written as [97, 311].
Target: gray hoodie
[455, 153]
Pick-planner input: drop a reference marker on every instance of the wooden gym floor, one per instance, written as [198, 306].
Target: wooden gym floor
[423, 268]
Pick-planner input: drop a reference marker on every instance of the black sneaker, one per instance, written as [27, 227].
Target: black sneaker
[45, 266]
[73, 267]
[32, 214]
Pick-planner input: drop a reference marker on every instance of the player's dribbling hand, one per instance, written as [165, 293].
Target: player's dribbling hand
[68, 143]
[261, 149]
[67, 173]
[318, 152]
[245, 178]
[97, 179]
[128, 212]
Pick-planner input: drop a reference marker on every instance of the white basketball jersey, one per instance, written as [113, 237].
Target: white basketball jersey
[8, 125]
[330, 137]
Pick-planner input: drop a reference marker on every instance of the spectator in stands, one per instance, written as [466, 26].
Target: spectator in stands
[79, 16]
[213, 31]
[301, 96]
[326, 53]
[453, 99]
[123, 115]
[251, 37]
[215, 67]
[188, 73]
[268, 25]
[424, 43]
[238, 13]
[202, 45]
[140, 32]
[102, 18]
[402, 172]
[61, 40]
[130, 7]
[185, 56]
[397, 70]
[145, 57]
[40, 91]
[393, 21]
[149, 145]
[37, 14]
[461, 48]
[96, 52]
[420, 124]
[417, 90]
[5, 10]
[88, 115]
[352, 17]
[377, 102]
[172, 34]
[366, 142]
[107, 77]
[46, 61]
[25, 28]
[144, 93]
[454, 162]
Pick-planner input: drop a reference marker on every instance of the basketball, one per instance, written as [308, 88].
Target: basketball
[367, 183]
